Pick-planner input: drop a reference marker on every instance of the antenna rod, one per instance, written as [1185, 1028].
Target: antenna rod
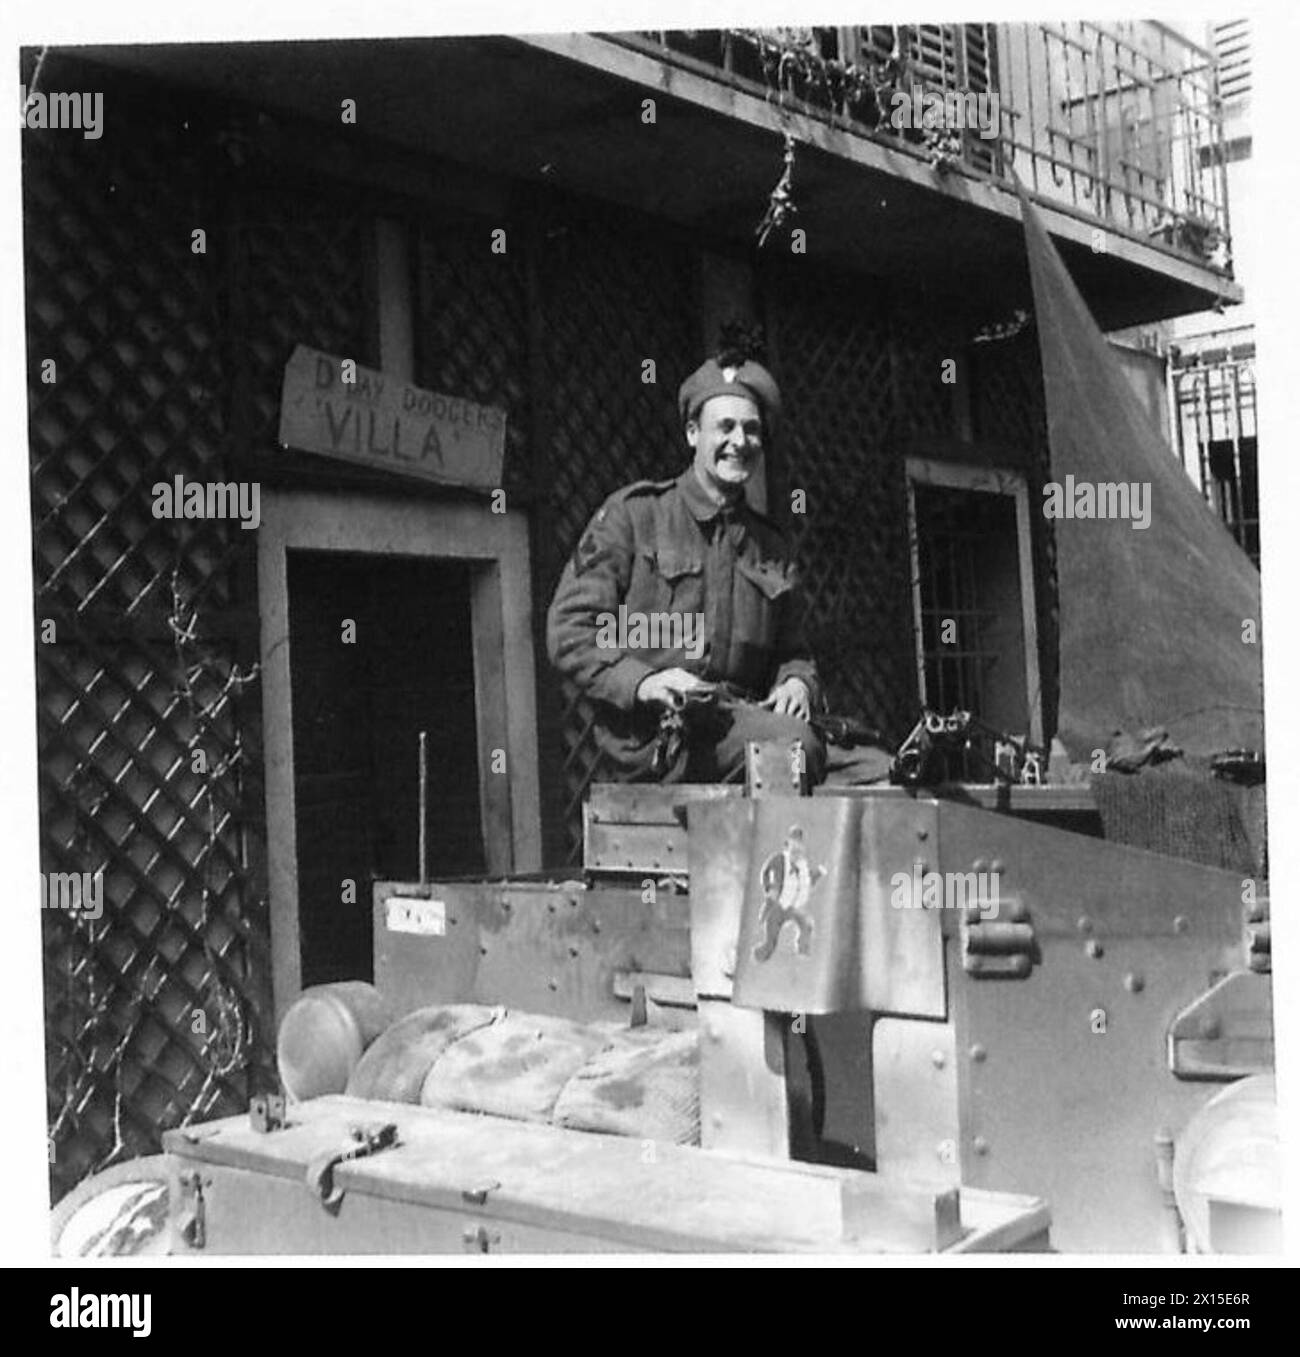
[424, 807]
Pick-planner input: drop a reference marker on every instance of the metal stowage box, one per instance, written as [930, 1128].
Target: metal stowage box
[454, 1182]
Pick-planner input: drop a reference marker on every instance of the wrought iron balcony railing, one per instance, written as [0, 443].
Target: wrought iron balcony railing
[1121, 121]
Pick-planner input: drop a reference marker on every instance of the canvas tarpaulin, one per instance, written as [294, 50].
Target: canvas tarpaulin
[1159, 625]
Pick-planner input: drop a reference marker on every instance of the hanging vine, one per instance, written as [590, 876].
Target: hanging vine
[227, 1041]
[780, 202]
[793, 66]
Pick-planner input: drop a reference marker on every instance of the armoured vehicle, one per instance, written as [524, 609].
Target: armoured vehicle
[893, 1018]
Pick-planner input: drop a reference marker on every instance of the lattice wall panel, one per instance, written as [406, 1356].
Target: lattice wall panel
[612, 296]
[126, 311]
[921, 344]
[156, 1009]
[140, 1001]
[472, 331]
[1007, 393]
[302, 281]
[832, 348]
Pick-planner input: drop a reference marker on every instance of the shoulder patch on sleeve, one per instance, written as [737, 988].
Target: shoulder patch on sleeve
[593, 541]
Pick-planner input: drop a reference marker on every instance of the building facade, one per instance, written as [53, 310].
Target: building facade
[553, 228]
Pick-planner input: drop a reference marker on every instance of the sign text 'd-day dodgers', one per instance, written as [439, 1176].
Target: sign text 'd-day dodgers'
[336, 408]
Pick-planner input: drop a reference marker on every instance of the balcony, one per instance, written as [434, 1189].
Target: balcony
[1116, 131]
[1121, 122]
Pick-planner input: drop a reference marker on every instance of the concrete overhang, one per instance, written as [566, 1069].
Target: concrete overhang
[565, 110]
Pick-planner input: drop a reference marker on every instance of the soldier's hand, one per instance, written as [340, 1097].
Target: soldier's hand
[790, 698]
[671, 687]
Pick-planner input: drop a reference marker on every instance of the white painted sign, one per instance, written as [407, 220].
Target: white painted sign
[428, 918]
[336, 408]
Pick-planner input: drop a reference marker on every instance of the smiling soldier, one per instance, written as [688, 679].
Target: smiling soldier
[691, 559]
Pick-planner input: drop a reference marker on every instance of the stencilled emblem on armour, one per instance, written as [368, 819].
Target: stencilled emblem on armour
[787, 879]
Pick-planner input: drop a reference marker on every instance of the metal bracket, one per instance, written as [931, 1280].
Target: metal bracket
[671, 991]
[194, 1230]
[366, 1141]
[478, 1195]
[266, 1112]
[1227, 1033]
[479, 1239]
[1000, 945]
[775, 769]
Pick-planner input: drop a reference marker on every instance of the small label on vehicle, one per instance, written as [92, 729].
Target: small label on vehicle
[404, 915]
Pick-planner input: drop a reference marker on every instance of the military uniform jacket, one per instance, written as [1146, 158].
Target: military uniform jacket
[665, 578]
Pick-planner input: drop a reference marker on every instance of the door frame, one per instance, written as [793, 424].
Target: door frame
[496, 547]
[992, 481]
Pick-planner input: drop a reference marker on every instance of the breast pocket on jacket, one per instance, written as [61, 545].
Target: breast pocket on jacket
[762, 592]
[680, 580]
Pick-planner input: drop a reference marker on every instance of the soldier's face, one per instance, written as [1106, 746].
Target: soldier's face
[727, 439]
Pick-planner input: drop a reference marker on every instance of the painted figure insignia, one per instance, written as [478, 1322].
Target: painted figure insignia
[787, 879]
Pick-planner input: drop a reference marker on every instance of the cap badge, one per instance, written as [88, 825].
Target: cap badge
[728, 374]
